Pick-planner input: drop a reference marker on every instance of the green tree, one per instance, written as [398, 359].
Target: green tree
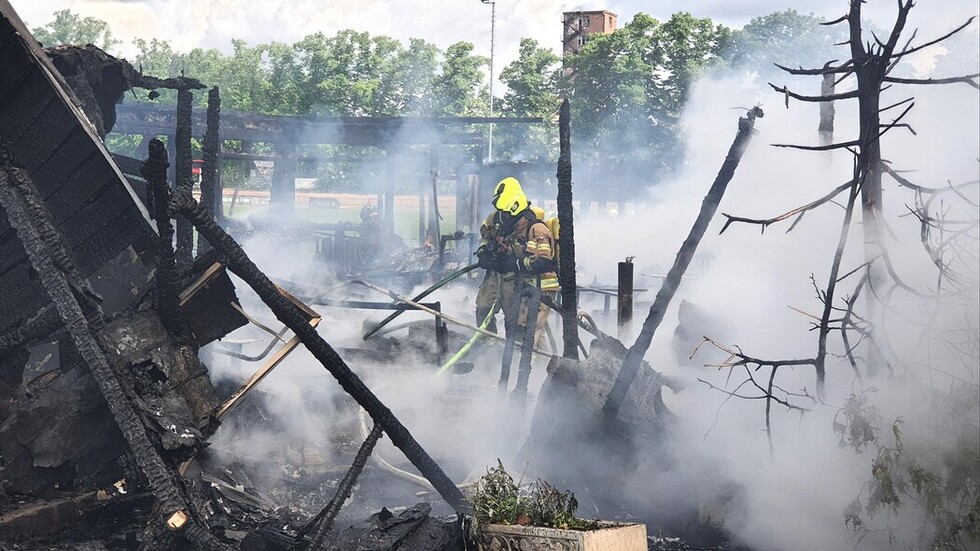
[459, 88]
[71, 28]
[629, 89]
[786, 37]
[417, 69]
[532, 82]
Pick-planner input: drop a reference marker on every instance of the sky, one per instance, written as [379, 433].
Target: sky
[214, 23]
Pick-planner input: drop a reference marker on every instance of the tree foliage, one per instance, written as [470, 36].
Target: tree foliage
[533, 84]
[629, 88]
[71, 28]
[786, 37]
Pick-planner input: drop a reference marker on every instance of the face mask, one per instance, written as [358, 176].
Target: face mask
[506, 221]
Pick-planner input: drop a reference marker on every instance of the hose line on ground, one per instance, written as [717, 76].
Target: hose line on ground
[476, 336]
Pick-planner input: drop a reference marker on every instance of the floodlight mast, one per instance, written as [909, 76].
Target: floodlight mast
[493, 25]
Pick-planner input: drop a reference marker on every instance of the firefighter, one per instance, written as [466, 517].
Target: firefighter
[519, 246]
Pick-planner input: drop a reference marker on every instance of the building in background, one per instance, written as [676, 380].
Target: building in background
[577, 26]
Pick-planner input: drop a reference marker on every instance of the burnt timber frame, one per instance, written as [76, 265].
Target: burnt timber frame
[389, 134]
[40, 117]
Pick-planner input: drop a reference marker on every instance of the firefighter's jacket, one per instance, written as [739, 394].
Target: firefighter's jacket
[531, 243]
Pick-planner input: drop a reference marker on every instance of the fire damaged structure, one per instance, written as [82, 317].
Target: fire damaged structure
[111, 316]
[116, 275]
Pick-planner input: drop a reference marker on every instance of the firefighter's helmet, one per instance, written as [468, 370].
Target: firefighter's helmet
[509, 197]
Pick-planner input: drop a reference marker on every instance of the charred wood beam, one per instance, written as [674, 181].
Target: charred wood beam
[182, 147]
[320, 526]
[624, 297]
[41, 324]
[151, 119]
[291, 315]
[634, 357]
[566, 236]
[53, 276]
[211, 198]
[168, 301]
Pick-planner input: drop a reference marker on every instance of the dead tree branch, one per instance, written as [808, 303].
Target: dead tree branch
[797, 211]
[829, 147]
[932, 42]
[813, 99]
[321, 525]
[826, 70]
[966, 79]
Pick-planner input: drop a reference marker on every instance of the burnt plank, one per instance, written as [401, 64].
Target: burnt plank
[111, 240]
[98, 211]
[14, 69]
[33, 141]
[11, 251]
[81, 187]
[22, 111]
[66, 160]
[25, 297]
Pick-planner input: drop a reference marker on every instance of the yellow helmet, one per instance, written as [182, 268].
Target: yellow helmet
[538, 212]
[509, 197]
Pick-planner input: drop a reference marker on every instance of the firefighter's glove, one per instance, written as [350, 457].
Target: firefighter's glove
[484, 258]
[505, 264]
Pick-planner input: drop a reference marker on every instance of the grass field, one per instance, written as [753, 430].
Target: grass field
[406, 217]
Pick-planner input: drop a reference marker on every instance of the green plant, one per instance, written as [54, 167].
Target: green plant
[501, 500]
[498, 499]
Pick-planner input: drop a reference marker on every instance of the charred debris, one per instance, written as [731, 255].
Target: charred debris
[107, 304]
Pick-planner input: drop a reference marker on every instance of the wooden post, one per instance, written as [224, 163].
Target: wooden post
[211, 195]
[566, 236]
[183, 176]
[282, 200]
[624, 294]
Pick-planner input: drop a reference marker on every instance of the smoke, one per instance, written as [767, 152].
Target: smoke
[756, 287]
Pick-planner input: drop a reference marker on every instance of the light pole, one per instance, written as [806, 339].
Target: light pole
[493, 26]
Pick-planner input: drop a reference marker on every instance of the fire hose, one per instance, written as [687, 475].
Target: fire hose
[476, 336]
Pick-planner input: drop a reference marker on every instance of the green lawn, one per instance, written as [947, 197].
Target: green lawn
[406, 218]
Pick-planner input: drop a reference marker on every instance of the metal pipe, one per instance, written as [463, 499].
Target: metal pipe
[448, 318]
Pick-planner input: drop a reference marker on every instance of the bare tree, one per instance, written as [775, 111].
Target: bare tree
[870, 64]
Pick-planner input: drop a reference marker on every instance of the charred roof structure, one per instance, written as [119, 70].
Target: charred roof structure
[87, 264]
